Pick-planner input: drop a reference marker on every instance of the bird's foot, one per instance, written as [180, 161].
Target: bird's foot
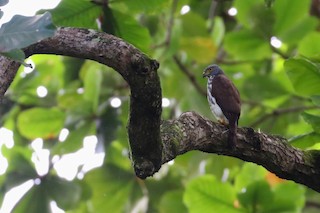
[225, 131]
[223, 122]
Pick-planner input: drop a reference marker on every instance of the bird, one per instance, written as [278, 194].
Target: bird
[224, 100]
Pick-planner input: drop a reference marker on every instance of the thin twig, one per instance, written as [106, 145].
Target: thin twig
[312, 204]
[190, 75]
[282, 54]
[169, 27]
[278, 112]
[212, 12]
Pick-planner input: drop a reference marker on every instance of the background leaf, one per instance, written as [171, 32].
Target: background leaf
[22, 31]
[304, 75]
[206, 193]
[75, 13]
[252, 46]
[257, 196]
[3, 2]
[40, 122]
[313, 120]
[66, 194]
[305, 141]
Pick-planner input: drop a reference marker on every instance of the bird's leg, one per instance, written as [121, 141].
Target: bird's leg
[231, 132]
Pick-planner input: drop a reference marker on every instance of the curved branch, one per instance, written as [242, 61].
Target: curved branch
[136, 68]
[151, 144]
[8, 70]
[193, 132]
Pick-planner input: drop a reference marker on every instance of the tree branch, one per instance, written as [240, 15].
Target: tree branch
[167, 40]
[278, 112]
[190, 76]
[211, 15]
[194, 132]
[136, 68]
[153, 145]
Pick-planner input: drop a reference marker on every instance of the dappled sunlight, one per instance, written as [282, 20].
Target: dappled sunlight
[14, 195]
[185, 9]
[25, 8]
[166, 102]
[275, 42]
[115, 102]
[40, 157]
[232, 11]
[63, 134]
[42, 91]
[6, 139]
[69, 166]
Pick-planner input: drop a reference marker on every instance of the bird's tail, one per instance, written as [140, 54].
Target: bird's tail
[232, 137]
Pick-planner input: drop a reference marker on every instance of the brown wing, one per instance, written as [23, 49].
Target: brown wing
[227, 97]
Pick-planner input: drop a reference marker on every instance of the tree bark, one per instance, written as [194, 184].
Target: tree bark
[153, 144]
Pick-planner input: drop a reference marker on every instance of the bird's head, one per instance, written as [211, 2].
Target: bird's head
[212, 70]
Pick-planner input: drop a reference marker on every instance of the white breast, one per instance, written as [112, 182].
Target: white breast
[215, 109]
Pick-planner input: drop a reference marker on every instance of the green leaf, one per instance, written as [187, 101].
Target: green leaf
[22, 31]
[259, 83]
[206, 193]
[249, 173]
[304, 76]
[109, 124]
[269, 3]
[172, 202]
[201, 48]
[3, 2]
[75, 13]
[197, 28]
[131, 31]
[306, 140]
[36, 200]
[245, 45]
[254, 15]
[115, 156]
[19, 171]
[111, 188]
[313, 120]
[16, 54]
[310, 45]
[67, 194]
[295, 11]
[288, 197]
[316, 99]
[92, 87]
[256, 196]
[299, 31]
[40, 122]
[245, 8]
[218, 31]
[145, 6]
[74, 140]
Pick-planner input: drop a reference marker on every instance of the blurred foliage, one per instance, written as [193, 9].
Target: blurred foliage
[22, 31]
[270, 49]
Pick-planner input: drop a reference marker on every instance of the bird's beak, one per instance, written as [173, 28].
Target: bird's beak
[204, 74]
